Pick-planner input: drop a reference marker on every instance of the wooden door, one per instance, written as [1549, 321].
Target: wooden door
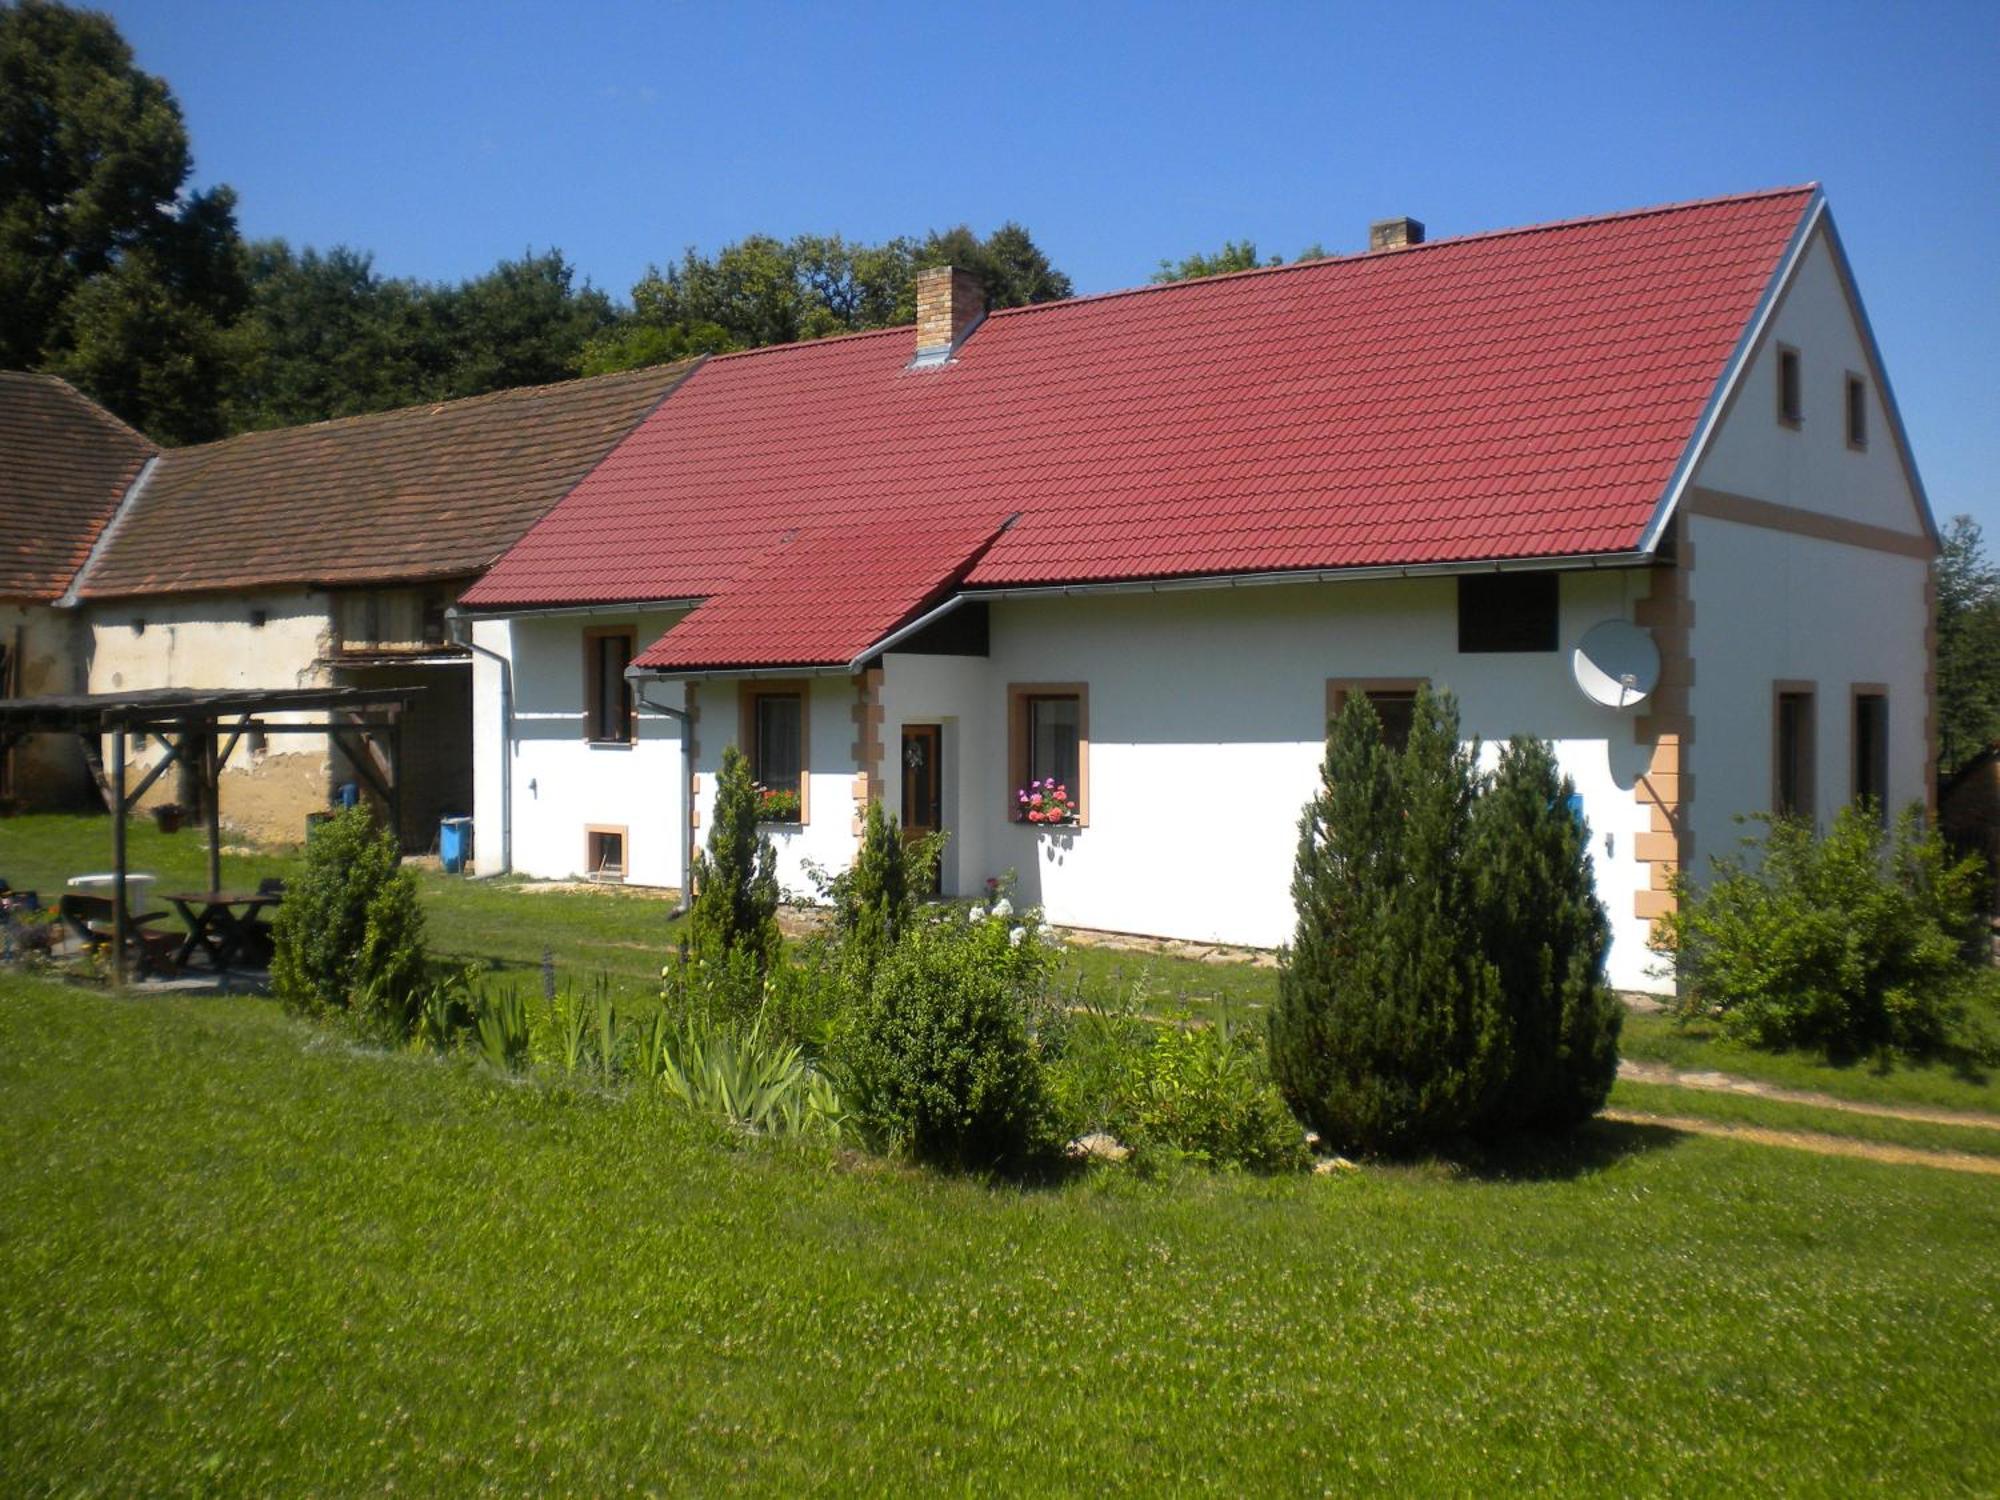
[923, 781]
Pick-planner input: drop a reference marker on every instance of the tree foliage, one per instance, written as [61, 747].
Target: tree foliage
[109, 272]
[761, 290]
[349, 935]
[1968, 646]
[1851, 943]
[1547, 933]
[736, 880]
[1235, 255]
[1388, 1033]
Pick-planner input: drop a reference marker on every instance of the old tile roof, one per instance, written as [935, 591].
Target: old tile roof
[432, 491]
[1526, 393]
[65, 462]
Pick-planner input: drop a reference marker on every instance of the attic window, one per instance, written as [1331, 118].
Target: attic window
[1857, 411]
[1508, 611]
[1791, 397]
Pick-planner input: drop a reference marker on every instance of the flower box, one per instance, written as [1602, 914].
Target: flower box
[1046, 804]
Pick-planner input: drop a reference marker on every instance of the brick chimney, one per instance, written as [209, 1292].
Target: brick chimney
[949, 303]
[1395, 234]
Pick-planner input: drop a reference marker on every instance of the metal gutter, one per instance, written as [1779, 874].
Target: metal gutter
[665, 674]
[686, 721]
[1574, 562]
[1732, 373]
[559, 611]
[460, 626]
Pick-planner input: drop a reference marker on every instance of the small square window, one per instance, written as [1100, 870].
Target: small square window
[1508, 611]
[605, 853]
[1791, 388]
[1395, 705]
[1857, 412]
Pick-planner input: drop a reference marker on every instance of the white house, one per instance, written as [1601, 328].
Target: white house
[1142, 543]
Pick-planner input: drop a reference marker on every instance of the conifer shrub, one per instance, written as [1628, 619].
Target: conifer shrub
[735, 906]
[1851, 944]
[349, 936]
[937, 1062]
[1546, 932]
[1389, 1032]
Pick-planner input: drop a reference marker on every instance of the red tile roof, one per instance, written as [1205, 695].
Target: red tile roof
[431, 491]
[1526, 393]
[65, 462]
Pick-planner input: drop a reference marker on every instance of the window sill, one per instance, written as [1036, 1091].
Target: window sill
[782, 824]
[610, 744]
[1070, 827]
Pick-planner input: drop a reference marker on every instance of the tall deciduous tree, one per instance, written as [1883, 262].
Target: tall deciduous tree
[109, 273]
[1968, 645]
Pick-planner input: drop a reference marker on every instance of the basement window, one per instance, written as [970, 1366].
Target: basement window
[1871, 748]
[1791, 388]
[1508, 612]
[1394, 700]
[1857, 411]
[1792, 751]
[607, 706]
[604, 850]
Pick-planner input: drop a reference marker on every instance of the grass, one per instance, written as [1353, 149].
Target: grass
[240, 1254]
[1775, 1114]
[1657, 1038]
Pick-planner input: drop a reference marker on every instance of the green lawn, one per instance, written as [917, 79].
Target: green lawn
[239, 1253]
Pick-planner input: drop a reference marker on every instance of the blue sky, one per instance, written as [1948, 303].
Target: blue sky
[444, 136]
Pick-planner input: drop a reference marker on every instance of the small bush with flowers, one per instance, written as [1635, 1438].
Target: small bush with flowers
[1045, 802]
[777, 805]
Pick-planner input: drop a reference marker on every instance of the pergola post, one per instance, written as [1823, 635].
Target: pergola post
[211, 775]
[396, 777]
[119, 922]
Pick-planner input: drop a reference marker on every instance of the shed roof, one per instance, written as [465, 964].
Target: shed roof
[1514, 395]
[431, 491]
[65, 462]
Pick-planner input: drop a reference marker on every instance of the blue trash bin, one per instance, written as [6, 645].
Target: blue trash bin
[454, 843]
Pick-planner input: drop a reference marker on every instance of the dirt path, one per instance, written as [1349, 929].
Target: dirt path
[1728, 1083]
[1820, 1145]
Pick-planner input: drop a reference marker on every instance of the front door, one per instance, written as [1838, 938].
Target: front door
[923, 783]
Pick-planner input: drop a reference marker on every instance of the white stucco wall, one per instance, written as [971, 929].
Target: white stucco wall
[1811, 466]
[561, 783]
[1770, 606]
[208, 641]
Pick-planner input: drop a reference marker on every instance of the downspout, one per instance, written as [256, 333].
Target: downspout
[686, 721]
[461, 632]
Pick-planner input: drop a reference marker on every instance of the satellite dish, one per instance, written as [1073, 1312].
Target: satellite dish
[1616, 663]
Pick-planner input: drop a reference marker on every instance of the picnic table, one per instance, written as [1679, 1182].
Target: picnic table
[221, 923]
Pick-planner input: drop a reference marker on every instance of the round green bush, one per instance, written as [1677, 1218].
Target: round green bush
[938, 1060]
[349, 935]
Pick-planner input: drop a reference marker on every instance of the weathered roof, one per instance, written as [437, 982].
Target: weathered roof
[64, 464]
[429, 491]
[73, 711]
[1520, 394]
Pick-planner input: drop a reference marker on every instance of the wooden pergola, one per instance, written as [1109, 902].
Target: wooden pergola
[191, 724]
